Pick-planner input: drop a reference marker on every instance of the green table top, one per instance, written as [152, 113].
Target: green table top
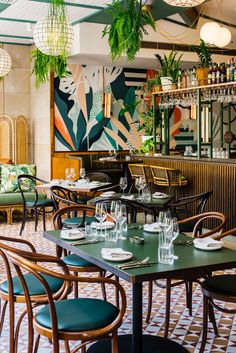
[191, 260]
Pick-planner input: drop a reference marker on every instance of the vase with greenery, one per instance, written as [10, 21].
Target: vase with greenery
[43, 63]
[170, 66]
[126, 31]
[205, 60]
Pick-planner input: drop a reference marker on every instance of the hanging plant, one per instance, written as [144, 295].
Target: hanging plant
[53, 36]
[126, 31]
[44, 64]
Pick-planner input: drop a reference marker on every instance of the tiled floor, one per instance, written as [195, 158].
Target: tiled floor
[184, 329]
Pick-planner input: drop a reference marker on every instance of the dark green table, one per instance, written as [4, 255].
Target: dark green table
[191, 260]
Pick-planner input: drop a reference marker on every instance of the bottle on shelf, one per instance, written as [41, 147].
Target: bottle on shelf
[194, 81]
[209, 76]
[179, 83]
[228, 71]
[218, 74]
[222, 73]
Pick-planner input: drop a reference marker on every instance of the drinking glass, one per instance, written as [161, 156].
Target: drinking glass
[142, 182]
[121, 220]
[165, 249]
[82, 173]
[113, 209]
[72, 173]
[138, 186]
[101, 213]
[123, 184]
[67, 174]
[163, 215]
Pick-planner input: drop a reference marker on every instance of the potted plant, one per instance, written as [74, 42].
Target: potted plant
[127, 40]
[170, 66]
[204, 54]
[157, 84]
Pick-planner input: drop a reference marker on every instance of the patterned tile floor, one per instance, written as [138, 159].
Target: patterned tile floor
[184, 329]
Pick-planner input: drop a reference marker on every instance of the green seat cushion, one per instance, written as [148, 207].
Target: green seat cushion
[78, 220]
[15, 198]
[34, 285]
[75, 260]
[224, 284]
[76, 315]
[45, 202]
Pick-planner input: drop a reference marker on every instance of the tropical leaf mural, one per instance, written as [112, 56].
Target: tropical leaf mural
[79, 123]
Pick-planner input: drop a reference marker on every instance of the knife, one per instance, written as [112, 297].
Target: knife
[126, 267]
[85, 242]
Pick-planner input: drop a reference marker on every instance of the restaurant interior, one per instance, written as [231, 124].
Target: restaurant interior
[117, 176]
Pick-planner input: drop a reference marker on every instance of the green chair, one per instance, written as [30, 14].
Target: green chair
[84, 319]
[27, 183]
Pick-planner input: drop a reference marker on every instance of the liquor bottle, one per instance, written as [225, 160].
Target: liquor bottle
[209, 76]
[231, 70]
[179, 83]
[222, 73]
[213, 74]
[228, 71]
[194, 81]
[218, 74]
[188, 74]
[184, 79]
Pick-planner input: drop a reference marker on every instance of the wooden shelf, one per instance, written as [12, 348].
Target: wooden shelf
[182, 90]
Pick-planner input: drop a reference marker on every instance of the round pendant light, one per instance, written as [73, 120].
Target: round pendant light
[224, 37]
[213, 33]
[5, 62]
[184, 3]
[53, 34]
[209, 32]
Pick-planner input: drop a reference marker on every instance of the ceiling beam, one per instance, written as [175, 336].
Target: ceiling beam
[218, 21]
[94, 7]
[15, 36]
[16, 20]
[190, 17]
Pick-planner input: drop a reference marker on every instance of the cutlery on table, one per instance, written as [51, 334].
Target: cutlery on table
[85, 242]
[126, 267]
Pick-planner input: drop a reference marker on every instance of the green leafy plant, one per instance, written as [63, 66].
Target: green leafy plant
[127, 28]
[170, 65]
[43, 63]
[146, 146]
[147, 86]
[204, 54]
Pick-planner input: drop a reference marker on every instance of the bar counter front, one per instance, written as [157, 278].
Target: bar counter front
[205, 174]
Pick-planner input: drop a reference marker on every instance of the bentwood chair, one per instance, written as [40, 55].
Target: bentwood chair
[168, 177]
[141, 170]
[74, 262]
[217, 290]
[11, 291]
[189, 206]
[85, 319]
[63, 197]
[40, 205]
[200, 219]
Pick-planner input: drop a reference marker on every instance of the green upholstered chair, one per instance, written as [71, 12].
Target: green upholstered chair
[84, 319]
[217, 292]
[74, 262]
[11, 290]
[27, 183]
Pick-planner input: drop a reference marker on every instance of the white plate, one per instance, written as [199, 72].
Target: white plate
[164, 196]
[151, 230]
[118, 258]
[104, 225]
[202, 246]
[69, 234]
[107, 194]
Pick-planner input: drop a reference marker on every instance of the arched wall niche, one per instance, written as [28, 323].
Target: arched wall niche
[7, 148]
[21, 140]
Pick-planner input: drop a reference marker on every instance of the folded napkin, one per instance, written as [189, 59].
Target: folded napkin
[71, 232]
[207, 242]
[104, 225]
[114, 252]
[153, 227]
[127, 197]
[108, 193]
[103, 159]
[159, 195]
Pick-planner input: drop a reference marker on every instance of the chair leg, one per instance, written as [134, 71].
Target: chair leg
[149, 307]
[76, 286]
[36, 219]
[205, 323]
[36, 345]
[167, 316]
[67, 347]
[189, 296]
[114, 343]
[102, 274]
[117, 293]
[212, 319]
[44, 218]
[24, 216]
[3, 312]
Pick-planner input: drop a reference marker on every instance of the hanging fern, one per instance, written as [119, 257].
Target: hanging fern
[126, 31]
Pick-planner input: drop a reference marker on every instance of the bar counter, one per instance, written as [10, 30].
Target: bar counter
[206, 174]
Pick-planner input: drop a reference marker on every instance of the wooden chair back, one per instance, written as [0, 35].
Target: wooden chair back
[80, 211]
[62, 197]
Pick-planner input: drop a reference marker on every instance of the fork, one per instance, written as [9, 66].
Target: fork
[133, 263]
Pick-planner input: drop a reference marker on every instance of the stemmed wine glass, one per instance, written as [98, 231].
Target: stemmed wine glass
[72, 173]
[82, 173]
[123, 184]
[68, 174]
[142, 182]
[138, 186]
[121, 219]
[101, 213]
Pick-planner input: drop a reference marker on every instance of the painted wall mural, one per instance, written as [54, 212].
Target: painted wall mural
[80, 124]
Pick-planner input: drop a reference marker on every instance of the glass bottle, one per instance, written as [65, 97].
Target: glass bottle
[209, 76]
[218, 74]
[179, 83]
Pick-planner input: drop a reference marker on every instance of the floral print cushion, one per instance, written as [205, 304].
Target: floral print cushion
[9, 174]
